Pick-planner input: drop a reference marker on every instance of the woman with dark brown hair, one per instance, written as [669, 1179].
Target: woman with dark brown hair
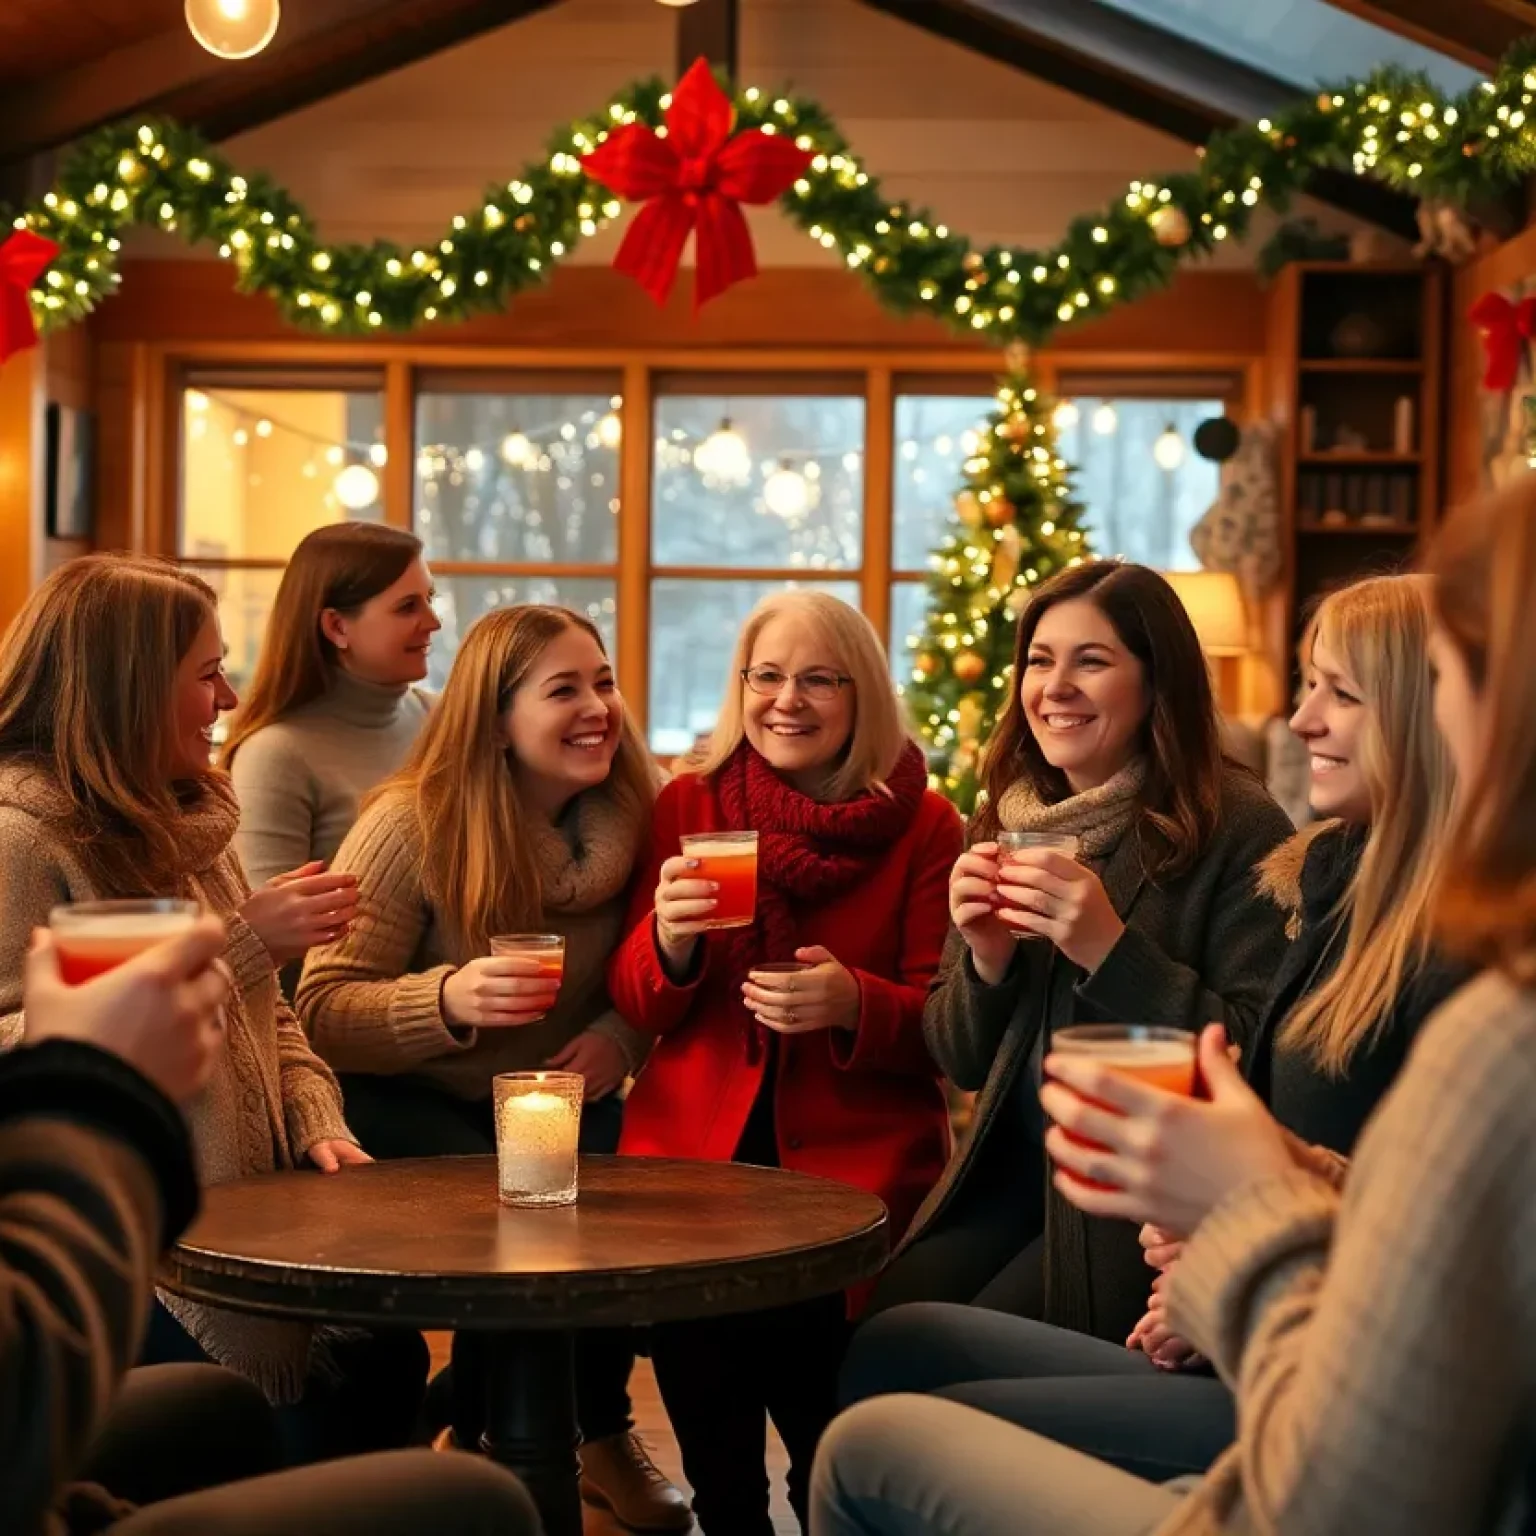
[335, 704]
[1109, 738]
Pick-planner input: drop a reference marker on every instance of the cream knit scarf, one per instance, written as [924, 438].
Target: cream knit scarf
[1098, 817]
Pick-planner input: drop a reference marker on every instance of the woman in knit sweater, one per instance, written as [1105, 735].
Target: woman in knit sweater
[1377, 1330]
[1358, 980]
[111, 680]
[824, 1071]
[522, 808]
[1111, 736]
[334, 707]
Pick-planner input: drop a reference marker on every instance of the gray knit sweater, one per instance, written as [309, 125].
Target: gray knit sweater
[300, 780]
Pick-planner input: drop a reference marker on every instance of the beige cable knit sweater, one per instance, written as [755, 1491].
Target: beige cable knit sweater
[1382, 1343]
[270, 1099]
[372, 1002]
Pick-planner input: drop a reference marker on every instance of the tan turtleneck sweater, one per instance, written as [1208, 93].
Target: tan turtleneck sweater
[301, 779]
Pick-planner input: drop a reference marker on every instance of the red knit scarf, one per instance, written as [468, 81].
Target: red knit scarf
[808, 851]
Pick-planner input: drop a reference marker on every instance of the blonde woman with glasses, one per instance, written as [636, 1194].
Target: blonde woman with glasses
[819, 1068]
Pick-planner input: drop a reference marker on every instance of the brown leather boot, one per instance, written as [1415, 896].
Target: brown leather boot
[617, 1474]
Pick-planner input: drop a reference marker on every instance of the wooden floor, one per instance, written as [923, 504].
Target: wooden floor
[651, 1421]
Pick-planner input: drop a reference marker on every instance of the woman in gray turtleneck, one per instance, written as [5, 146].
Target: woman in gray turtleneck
[333, 707]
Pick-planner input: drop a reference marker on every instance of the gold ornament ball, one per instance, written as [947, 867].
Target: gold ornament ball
[927, 664]
[968, 509]
[1000, 512]
[969, 667]
[1015, 429]
[973, 261]
[1170, 226]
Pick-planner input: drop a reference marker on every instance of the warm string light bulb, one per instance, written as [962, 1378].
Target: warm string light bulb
[786, 493]
[1065, 416]
[723, 458]
[1106, 420]
[356, 487]
[518, 451]
[1168, 450]
[233, 29]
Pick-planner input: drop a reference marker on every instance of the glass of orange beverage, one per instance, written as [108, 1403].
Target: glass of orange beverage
[94, 937]
[546, 950]
[1151, 1053]
[1010, 843]
[730, 860]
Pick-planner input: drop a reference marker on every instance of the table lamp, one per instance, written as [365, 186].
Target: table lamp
[1214, 602]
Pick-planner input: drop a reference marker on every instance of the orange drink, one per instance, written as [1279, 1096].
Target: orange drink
[729, 859]
[546, 950]
[1152, 1054]
[94, 937]
[1010, 843]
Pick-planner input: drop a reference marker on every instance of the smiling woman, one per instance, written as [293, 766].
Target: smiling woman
[521, 809]
[1111, 737]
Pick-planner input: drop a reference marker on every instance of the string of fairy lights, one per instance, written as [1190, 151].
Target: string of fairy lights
[1393, 125]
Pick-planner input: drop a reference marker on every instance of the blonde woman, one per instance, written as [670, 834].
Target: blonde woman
[1359, 980]
[111, 681]
[824, 1071]
[335, 704]
[522, 808]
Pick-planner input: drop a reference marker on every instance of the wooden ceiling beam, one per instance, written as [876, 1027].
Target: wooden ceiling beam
[710, 29]
[322, 47]
[1140, 71]
[1477, 32]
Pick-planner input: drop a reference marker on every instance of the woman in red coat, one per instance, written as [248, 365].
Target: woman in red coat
[823, 1071]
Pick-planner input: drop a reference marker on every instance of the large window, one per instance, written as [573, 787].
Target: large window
[738, 485]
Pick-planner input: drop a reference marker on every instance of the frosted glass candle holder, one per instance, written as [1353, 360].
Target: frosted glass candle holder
[538, 1126]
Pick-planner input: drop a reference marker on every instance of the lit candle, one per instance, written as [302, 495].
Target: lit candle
[537, 1130]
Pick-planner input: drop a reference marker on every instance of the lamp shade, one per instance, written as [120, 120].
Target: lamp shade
[1214, 602]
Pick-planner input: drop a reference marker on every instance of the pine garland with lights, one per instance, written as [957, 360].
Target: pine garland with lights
[1016, 523]
[1393, 125]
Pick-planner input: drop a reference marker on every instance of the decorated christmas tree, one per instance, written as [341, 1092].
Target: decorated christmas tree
[1015, 524]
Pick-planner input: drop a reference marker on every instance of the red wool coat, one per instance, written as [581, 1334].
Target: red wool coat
[863, 1106]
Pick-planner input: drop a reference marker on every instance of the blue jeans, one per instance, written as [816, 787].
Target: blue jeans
[911, 1466]
[1096, 1397]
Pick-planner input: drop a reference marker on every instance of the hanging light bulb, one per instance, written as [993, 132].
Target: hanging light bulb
[518, 451]
[1106, 420]
[356, 487]
[723, 458]
[1168, 450]
[378, 455]
[1066, 416]
[610, 430]
[233, 29]
[785, 492]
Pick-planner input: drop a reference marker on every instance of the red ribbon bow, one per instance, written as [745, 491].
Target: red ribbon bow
[1506, 327]
[24, 257]
[696, 177]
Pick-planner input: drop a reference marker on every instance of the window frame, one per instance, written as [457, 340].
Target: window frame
[160, 374]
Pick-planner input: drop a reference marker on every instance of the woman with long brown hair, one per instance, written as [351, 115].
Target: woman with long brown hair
[111, 681]
[1110, 736]
[335, 705]
[1376, 1330]
[522, 809]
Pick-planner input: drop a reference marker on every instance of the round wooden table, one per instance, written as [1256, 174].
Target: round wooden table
[424, 1243]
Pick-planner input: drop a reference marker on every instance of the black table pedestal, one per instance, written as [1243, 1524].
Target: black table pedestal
[530, 1422]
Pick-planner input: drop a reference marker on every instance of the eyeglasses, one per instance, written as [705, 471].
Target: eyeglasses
[822, 687]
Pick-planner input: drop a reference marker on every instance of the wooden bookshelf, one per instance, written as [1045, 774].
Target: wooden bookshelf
[1356, 387]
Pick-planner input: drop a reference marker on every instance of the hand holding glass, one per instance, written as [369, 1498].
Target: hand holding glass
[728, 861]
[94, 937]
[1009, 846]
[516, 984]
[1147, 1053]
